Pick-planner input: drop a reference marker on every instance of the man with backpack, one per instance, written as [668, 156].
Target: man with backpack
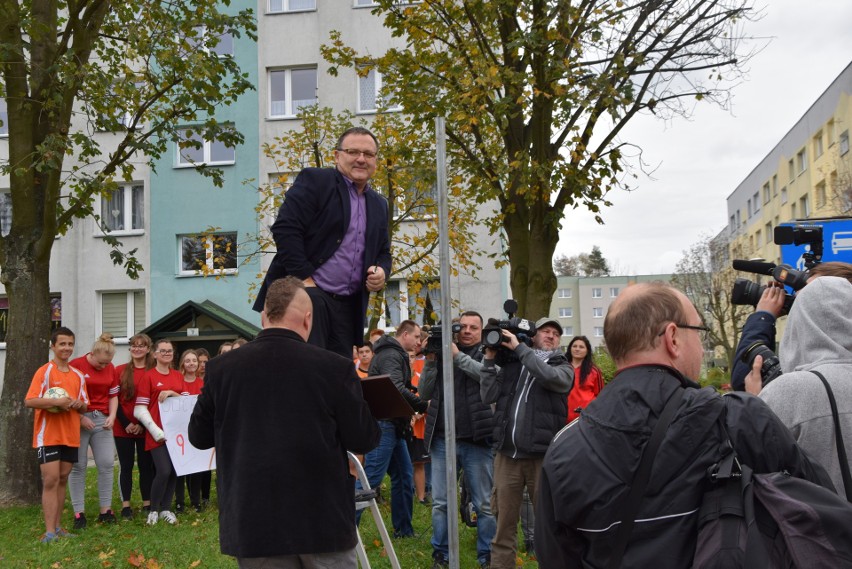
[654, 334]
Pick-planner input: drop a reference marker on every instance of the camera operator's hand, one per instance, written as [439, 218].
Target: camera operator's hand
[754, 381]
[454, 349]
[510, 340]
[772, 299]
[490, 353]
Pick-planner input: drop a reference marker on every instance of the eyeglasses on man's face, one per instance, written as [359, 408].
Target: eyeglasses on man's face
[355, 153]
[702, 330]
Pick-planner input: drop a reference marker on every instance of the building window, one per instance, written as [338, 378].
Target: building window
[122, 313]
[774, 185]
[208, 254]
[5, 212]
[412, 300]
[222, 45]
[818, 145]
[566, 312]
[733, 224]
[758, 238]
[564, 293]
[598, 331]
[783, 195]
[372, 94]
[567, 330]
[791, 169]
[4, 118]
[793, 210]
[613, 291]
[276, 6]
[749, 208]
[820, 194]
[123, 209]
[766, 193]
[596, 293]
[805, 206]
[290, 90]
[802, 160]
[844, 142]
[739, 219]
[756, 201]
[194, 150]
[768, 228]
[597, 312]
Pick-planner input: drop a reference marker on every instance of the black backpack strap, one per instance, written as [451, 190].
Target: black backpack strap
[841, 448]
[641, 478]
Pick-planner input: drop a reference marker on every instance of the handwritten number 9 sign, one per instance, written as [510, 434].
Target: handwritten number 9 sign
[175, 413]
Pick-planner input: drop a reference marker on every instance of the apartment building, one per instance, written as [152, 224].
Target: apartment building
[808, 174]
[162, 211]
[580, 304]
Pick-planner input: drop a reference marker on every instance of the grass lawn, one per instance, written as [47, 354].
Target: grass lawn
[194, 542]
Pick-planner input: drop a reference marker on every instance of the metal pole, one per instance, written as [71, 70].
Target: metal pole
[446, 355]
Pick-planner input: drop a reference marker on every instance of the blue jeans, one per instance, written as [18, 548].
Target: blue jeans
[391, 456]
[478, 464]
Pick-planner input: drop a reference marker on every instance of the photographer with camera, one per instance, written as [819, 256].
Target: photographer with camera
[758, 333]
[530, 392]
[817, 342]
[474, 422]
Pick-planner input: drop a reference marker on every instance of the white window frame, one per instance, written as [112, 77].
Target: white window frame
[614, 291]
[565, 293]
[208, 247]
[843, 142]
[127, 214]
[802, 160]
[285, 4]
[597, 293]
[566, 312]
[567, 330]
[206, 150]
[599, 331]
[378, 85]
[130, 318]
[818, 145]
[597, 312]
[289, 111]
[203, 39]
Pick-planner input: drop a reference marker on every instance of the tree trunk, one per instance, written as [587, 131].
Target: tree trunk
[532, 280]
[26, 277]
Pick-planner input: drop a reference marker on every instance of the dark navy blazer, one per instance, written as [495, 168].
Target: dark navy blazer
[310, 227]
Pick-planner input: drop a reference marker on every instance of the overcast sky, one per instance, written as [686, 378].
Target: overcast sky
[700, 161]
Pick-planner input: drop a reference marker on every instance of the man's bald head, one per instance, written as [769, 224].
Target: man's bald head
[634, 321]
[288, 306]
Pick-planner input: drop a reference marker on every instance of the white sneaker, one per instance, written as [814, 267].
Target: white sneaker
[152, 518]
[168, 517]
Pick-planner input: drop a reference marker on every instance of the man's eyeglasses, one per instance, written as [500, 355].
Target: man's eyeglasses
[703, 330]
[354, 153]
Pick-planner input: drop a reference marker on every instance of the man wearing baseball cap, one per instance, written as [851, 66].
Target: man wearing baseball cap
[531, 406]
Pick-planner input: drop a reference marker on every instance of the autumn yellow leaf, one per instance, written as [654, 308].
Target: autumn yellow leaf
[195, 563]
[136, 559]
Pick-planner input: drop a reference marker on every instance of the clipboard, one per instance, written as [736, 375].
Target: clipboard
[384, 399]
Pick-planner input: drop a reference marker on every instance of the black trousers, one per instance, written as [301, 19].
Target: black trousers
[335, 326]
[126, 448]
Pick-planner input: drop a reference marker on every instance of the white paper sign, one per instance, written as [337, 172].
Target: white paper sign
[175, 412]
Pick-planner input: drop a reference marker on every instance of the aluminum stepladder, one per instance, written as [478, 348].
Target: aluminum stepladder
[377, 517]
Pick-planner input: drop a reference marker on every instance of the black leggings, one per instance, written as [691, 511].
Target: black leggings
[127, 449]
[163, 488]
[198, 485]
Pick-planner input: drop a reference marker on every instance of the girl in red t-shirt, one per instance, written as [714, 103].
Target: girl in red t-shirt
[588, 380]
[160, 383]
[198, 483]
[129, 434]
[96, 430]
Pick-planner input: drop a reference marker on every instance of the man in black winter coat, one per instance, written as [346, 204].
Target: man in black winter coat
[654, 334]
[531, 397]
[390, 357]
[281, 414]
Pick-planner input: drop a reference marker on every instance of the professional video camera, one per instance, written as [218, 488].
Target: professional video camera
[492, 333]
[435, 341]
[746, 292]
